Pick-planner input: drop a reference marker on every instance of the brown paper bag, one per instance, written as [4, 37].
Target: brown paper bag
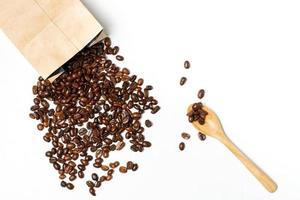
[48, 32]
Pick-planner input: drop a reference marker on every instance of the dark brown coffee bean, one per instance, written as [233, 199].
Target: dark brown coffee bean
[135, 167]
[155, 109]
[148, 123]
[185, 136]
[201, 136]
[81, 174]
[40, 127]
[95, 177]
[187, 64]
[119, 58]
[92, 191]
[72, 177]
[110, 172]
[120, 146]
[104, 167]
[181, 146]
[70, 186]
[63, 184]
[129, 165]
[146, 144]
[201, 94]
[90, 184]
[183, 80]
[123, 169]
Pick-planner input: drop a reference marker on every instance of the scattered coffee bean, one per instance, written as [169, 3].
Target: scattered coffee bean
[201, 94]
[123, 169]
[148, 123]
[92, 191]
[95, 177]
[185, 136]
[187, 64]
[119, 58]
[63, 184]
[70, 186]
[183, 80]
[181, 146]
[201, 136]
[135, 167]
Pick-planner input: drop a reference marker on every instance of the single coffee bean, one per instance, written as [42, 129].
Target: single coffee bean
[185, 136]
[92, 191]
[63, 184]
[129, 165]
[135, 167]
[104, 167]
[90, 184]
[148, 123]
[119, 58]
[70, 186]
[201, 136]
[40, 127]
[201, 94]
[123, 169]
[95, 177]
[181, 146]
[183, 80]
[187, 64]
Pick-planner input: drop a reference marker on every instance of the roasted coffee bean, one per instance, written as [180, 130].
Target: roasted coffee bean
[120, 146]
[129, 165]
[201, 136]
[123, 169]
[63, 184]
[104, 167]
[92, 191]
[110, 172]
[181, 146]
[146, 144]
[40, 127]
[148, 123]
[185, 136]
[135, 167]
[183, 80]
[201, 94]
[95, 177]
[155, 109]
[187, 64]
[119, 58]
[72, 177]
[90, 184]
[70, 186]
[81, 174]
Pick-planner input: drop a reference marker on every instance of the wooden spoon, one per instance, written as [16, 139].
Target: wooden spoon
[213, 128]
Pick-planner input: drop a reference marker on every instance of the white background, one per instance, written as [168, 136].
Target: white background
[245, 54]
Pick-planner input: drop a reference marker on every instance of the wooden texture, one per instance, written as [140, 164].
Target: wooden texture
[48, 32]
[213, 128]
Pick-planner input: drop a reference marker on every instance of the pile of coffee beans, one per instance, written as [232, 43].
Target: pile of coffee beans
[197, 114]
[91, 110]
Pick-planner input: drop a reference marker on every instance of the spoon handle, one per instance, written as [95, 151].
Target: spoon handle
[260, 175]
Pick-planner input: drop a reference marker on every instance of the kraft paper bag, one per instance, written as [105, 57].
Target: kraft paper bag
[49, 32]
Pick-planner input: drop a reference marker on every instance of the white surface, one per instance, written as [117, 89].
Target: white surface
[244, 53]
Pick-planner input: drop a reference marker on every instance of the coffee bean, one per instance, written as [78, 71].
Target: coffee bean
[70, 186]
[135, 167]
[119, 58]
[90, 184]
[201, 136]
[81, 174]
[183, 80]
[120, 146]
[95, 177]
[148, 123]
[104, 167]
[123, 169]
[40, 127]
[181, 146]
[63, 184]
[185, 136]
[129, 165]
[187, 64]
[201, 94]
[92, 191]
